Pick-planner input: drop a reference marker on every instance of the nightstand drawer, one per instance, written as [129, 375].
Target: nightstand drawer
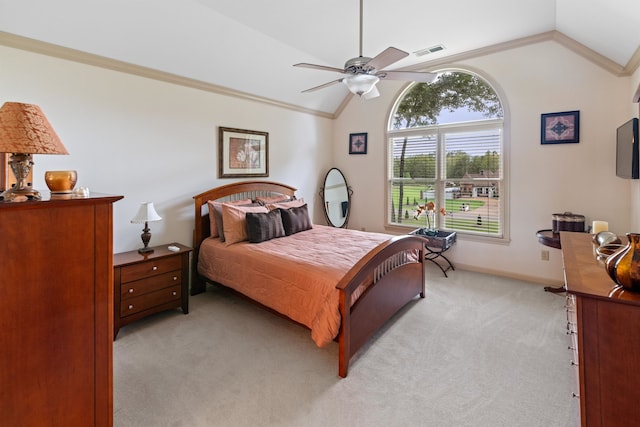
[150, 300]
[140, 287]
[150, 268]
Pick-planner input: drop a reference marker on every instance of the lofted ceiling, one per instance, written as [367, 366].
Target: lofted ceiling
[249, 46]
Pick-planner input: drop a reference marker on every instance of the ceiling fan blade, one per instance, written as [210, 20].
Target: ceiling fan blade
[319, 67]
[409, 76]
[322, 86]
[387, 57]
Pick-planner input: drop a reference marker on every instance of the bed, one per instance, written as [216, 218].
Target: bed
[341, 284]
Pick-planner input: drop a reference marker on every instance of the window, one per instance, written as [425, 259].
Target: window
[445, 145]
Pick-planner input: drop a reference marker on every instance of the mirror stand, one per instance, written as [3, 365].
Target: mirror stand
[336, 198]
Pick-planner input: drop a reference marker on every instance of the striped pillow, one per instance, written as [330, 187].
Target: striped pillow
[264, 226]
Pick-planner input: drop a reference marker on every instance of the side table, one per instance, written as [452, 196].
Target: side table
[149, 283]
[552, 240]
[436, 245]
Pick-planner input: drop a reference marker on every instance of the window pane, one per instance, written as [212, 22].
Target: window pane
[419, 157]
[413, 177]
[473, 177]
[473, 154]
[475, 212]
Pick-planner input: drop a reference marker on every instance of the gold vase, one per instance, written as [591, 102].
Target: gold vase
[624, 265]
[61, 181]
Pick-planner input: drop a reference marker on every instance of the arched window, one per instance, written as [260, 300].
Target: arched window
[445, 146]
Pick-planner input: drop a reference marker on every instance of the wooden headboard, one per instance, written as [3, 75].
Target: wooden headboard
[235, 191]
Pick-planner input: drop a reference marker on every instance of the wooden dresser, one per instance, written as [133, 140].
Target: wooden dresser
[56, 312]
[604, 321]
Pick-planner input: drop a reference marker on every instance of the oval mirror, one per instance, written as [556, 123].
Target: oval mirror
[336, 196]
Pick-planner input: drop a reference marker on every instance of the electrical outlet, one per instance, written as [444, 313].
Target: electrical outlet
[544, 255]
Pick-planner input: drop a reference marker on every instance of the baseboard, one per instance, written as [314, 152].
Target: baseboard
[510, 275]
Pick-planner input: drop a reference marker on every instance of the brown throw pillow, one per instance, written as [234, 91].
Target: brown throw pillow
[295, 220]
[264, 226]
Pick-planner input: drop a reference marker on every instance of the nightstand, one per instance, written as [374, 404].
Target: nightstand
[149, 283]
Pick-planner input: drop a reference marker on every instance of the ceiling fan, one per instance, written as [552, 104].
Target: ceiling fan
[363, 72]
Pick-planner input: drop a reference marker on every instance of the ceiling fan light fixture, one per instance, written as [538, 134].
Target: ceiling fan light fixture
[361, 84]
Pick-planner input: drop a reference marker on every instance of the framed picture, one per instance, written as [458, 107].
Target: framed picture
[358, 143]
[560, 128]
[242, 153]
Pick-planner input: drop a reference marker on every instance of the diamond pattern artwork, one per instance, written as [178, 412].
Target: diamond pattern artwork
[560, 128]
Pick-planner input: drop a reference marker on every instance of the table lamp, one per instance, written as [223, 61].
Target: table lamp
[24, 130]
[146, 214]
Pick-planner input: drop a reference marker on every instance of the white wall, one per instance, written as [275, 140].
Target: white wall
[153, 141]
[544, 179]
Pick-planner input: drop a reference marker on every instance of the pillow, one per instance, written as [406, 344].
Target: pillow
[234, 222]
[286, 205]
[215, 216]
[295, 220]
[264, 226]
[274, 199]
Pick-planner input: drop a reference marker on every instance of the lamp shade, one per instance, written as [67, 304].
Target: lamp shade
[146, 213]
[361, 84]
[25, 129]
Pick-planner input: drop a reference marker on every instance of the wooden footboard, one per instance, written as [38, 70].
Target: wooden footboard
[395, 274]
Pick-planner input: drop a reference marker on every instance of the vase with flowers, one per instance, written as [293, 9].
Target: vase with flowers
[429, 210]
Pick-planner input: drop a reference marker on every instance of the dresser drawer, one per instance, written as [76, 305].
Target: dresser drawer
[150, 300]
[149, 268]
[140, 287]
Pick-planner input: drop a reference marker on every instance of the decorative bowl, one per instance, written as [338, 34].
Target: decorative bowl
[608, 249]
[61, 181]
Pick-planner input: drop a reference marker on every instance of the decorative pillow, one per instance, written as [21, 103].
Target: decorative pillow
[264, 226]
[215, 215]
[295, 220]
[234, 222]
[286, 205]
[274, 199]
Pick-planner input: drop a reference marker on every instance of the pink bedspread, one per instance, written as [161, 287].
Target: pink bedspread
[294, 275]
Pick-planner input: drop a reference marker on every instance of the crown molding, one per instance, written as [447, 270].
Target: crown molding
[49, 49]
[600, 60]
[37, 46]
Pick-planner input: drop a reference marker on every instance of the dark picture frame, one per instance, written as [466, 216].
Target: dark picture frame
[560, 128]
[242, 153]
[358, 143]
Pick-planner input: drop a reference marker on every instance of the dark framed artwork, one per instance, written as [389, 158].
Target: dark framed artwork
[560, 128]
[242, 153]
[358, 143]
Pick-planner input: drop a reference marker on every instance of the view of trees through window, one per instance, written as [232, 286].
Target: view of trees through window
[445, 145]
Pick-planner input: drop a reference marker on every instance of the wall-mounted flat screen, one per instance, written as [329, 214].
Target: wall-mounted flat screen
[627, 153]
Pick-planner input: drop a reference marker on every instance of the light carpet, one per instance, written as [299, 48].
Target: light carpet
[479, 350]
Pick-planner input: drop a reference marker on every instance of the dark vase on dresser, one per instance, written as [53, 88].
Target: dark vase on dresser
[56, 311]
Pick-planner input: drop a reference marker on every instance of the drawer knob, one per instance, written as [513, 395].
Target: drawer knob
[174, 293]
[130, 306]
[577, 396]
[154, 268]
[574, 363]
[175, 278]
[130, 290]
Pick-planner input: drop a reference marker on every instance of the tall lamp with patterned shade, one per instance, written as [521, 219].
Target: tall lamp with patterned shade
[146, 214]
[24, 130]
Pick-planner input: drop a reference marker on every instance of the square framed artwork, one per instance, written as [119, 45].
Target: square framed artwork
[358, 143]
[560, 128]
[242, 153]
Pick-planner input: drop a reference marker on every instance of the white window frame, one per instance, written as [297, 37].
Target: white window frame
[440, 130]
